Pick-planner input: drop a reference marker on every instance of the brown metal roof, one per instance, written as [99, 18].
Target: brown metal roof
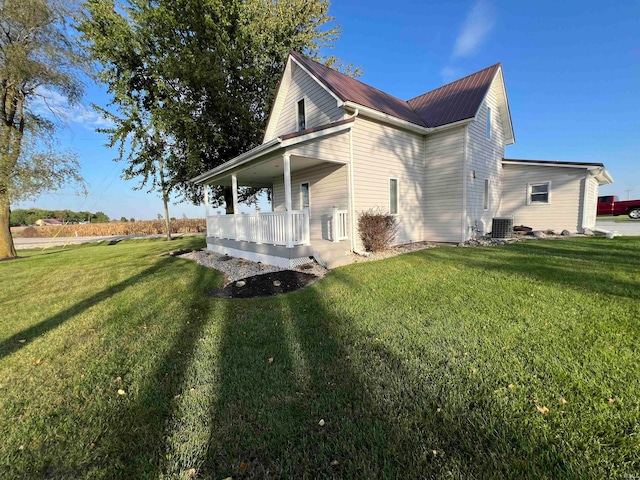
[555, 162]
[350, 89]
[451, 103]
[455, 101]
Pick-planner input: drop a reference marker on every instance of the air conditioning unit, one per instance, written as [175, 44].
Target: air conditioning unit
[502, 227]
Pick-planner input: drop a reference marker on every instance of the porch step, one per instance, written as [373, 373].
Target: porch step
[333, 255]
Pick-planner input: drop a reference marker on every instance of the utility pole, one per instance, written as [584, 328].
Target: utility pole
[628, 190]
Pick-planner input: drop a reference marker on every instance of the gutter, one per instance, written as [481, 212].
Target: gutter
[370, 112]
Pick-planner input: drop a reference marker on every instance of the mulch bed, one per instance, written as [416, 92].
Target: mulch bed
[265, 285]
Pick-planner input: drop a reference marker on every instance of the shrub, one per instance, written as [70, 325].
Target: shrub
[377, 229]
[30, 232]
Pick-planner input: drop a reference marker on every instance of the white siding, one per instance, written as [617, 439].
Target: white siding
[592, 203]
[381, 152]
[320, 106]
[333, 147]
[443, 206]
[484, 157]
[564, 211]
[327, 187]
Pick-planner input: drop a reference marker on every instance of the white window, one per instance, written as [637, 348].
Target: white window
[489, 123]
[486, 193]
[302, 118]
[539, 193]
[304, 195]
[393, 196]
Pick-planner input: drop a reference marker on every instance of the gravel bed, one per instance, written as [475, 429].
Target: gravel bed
[393, 251]
[235, 269]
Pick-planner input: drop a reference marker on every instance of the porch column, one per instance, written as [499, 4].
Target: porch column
[234, 192]
[206, 201]
[286, 164]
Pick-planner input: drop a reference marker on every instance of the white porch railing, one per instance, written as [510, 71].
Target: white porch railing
[339, 227]
[262, 227]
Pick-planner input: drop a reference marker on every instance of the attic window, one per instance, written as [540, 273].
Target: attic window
[489, 123]
[302, 119]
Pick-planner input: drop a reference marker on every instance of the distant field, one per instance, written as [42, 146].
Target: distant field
[146, 227]
[17, 231]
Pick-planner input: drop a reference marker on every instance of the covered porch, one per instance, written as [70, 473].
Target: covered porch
[309, 211]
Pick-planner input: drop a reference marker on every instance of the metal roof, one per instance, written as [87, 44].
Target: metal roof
[459, 100]
[455, 101]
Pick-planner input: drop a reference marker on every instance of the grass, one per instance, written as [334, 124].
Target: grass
[618, 219]
[435, 364]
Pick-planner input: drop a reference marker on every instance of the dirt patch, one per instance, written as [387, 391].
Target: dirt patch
[265, 285]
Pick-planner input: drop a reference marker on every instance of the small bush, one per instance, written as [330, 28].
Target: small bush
[30, 232]
[377, 229]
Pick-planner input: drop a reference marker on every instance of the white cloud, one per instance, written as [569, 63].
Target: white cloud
[477, 26]
[50, 103]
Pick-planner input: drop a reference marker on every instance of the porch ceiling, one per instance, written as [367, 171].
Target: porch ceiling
[261, 174]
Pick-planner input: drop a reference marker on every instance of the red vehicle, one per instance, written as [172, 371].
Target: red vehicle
[610, 205]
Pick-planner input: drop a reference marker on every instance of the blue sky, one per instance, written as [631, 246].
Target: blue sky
[572, 72]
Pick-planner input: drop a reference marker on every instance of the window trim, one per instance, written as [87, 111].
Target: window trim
[486, 197]
[304, 105]
[397, 212]
[530, 191]
[488, 132]
[308, 190]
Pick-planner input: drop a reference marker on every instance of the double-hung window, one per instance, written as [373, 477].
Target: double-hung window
[539, 193]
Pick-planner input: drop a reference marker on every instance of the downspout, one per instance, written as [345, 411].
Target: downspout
[463, 220]
[352, 204]
[425, 203]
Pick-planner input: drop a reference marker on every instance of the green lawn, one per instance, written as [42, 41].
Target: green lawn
[618, 219]
[519, 361]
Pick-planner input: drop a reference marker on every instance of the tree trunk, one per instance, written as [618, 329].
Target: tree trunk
[228, 200]
[165, 198]
[7, 249]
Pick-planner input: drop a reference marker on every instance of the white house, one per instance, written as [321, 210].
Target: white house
[334, 147]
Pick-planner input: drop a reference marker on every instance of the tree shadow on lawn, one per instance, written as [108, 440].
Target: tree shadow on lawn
[14, 343]
[545, 264]
[114, 436]
[134, 445]
[289, 363]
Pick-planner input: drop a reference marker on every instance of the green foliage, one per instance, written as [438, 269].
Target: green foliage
[29, 216]
[123, 219]
[99, 217]
[37, 59]
[192, 82]
[428, 365]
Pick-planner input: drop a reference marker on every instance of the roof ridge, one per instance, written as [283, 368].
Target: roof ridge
[455, 81]
[345, 75]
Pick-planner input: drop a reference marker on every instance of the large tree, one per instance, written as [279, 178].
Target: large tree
[37, 58]
[193, 80]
